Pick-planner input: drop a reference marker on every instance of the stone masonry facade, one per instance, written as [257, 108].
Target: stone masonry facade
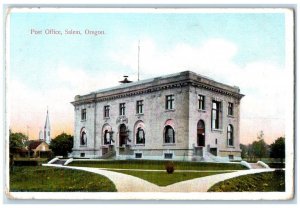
[182, 116]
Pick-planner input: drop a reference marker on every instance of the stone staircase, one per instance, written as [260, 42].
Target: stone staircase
[257, 166]
[60, 162]
[108, 155]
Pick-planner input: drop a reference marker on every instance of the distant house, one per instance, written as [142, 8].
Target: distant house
[39, 149]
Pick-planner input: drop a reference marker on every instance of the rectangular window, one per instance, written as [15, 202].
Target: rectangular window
[82, 154]
[122, 109]
[201, 102]
[106, 111]
[83, 114]
[168, 155]
[231, 157]
[169, 102]
[138, 155]
[139, 106]
[215, 117]
[230, 109]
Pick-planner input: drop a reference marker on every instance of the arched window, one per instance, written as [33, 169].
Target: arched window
[140, 136]
[201, 133]
[230, 135]
[169, 134]
[83, 137]
[106, 138]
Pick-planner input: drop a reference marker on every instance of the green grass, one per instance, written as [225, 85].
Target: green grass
[259, 182]
[163, 178]
[157, 165]
[50, 179]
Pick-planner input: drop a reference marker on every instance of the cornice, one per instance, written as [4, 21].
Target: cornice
[155, 88]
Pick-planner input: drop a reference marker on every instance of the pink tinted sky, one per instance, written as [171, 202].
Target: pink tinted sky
[49, 70]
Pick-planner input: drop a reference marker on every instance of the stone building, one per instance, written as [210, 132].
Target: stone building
[182, 116]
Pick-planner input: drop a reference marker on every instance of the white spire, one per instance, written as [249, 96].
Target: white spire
[47, 129]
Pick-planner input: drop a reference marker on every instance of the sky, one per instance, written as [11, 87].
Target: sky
[240, 49]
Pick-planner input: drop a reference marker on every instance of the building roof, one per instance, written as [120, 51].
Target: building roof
[34, 144]
[153, 84]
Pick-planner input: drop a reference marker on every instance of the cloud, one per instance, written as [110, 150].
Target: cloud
[261, 81]
[261, 108]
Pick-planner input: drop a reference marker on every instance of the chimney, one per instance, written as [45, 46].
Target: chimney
[125, 80]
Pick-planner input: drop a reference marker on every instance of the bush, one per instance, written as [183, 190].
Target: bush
[26, 163]
[276, 165]
[170, 167]
[45, 154]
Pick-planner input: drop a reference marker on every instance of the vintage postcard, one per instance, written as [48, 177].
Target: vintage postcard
[171, 104]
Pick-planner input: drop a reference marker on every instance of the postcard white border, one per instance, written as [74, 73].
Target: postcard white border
[288, 194]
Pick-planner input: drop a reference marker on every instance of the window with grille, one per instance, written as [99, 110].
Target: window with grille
[230, 109]
[215, 117]
[201, 102]
[139, 106]
[122, 109]
[169, 102]
[106, 111]
[83, 114]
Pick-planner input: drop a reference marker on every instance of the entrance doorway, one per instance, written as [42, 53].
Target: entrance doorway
[122, 135]
[201, 134]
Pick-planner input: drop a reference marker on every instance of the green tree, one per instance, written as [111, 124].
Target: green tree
[260, 147]
[244, 153]
[16, 141]
[277, 149]
[62, 145]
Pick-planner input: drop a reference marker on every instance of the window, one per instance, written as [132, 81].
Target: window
[83, 114]
[107, 139]
[215, 118]
[122, 109]
[231, 157]
[169, 135]
[168, 155]
[140, 136]
[169, 102]
[83, 137]
[216, 141]
[230, 109]
[230, 135]
[139, 107]
[106, 111]
[82, 154]
[138, 155]
[201, 100]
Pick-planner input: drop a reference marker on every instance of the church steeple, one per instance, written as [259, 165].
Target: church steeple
[47, 129]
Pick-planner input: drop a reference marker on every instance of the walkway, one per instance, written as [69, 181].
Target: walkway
[128, 183]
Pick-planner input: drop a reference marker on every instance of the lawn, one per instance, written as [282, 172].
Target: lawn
[50, 179]
[163, 178]
[260, 182]
[157, 165]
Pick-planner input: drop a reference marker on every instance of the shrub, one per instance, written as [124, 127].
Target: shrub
[26, 163]
[170, 167]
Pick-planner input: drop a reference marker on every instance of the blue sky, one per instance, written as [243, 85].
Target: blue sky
[226, 43]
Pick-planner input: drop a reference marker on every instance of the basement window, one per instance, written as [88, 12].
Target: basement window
[138, 155]
[168, 155]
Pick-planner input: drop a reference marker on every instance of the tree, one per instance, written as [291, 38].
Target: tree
[62, 145]
[16, 141]
[244, 153]
[260, 147]
[277, 149]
